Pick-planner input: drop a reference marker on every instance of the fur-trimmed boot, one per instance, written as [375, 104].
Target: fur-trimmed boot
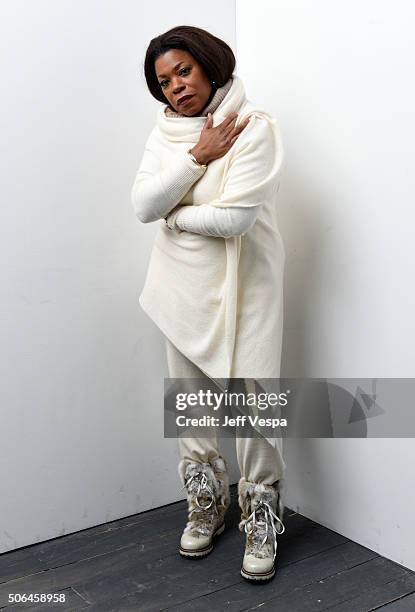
[261, 518]
[208, 498]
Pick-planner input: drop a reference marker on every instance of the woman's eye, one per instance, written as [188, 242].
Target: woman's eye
[185, 70]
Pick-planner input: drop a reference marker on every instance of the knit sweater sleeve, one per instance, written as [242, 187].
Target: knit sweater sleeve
[251, 176]
[209, 220]
[156, 192]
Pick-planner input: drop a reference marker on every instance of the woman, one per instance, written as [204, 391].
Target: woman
[210, 171]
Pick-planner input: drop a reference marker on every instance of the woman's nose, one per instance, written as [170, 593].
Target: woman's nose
[177, 86]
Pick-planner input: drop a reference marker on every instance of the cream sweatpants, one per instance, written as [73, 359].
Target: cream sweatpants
[258, 460]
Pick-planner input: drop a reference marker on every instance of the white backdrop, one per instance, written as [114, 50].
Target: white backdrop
[338, 78]
[82, 366]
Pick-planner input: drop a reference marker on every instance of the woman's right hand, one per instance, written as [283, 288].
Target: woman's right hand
[214, 142]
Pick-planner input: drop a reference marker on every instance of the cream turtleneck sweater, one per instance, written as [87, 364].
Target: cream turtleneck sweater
[217, 297]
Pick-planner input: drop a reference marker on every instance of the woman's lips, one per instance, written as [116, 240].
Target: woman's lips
[186, 100]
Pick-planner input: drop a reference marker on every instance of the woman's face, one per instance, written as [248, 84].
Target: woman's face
[179, 74]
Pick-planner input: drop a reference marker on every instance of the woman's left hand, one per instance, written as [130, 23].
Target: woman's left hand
[171, 217]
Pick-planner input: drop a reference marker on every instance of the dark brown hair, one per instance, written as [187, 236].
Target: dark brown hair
[212, 53]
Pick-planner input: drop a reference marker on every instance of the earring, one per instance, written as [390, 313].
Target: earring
[213, 83]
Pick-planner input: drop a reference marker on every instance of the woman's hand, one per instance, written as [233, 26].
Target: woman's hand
[214, 142]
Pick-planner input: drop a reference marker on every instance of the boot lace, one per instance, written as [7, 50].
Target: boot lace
[203, 488]
[269, 519]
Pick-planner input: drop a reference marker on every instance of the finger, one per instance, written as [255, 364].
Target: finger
[238, 128]
[242, 124]
[228, 120]
[208, 122]
[228, 129]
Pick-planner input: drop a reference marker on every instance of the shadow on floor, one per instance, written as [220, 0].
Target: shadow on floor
[134, 564]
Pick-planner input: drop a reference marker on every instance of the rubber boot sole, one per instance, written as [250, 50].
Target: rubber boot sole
[202, 552]
[259, 576]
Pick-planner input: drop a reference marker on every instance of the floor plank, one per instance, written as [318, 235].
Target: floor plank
[404, 604]
[133, 564]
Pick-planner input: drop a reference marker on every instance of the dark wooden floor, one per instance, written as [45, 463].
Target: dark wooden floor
[133, 564]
